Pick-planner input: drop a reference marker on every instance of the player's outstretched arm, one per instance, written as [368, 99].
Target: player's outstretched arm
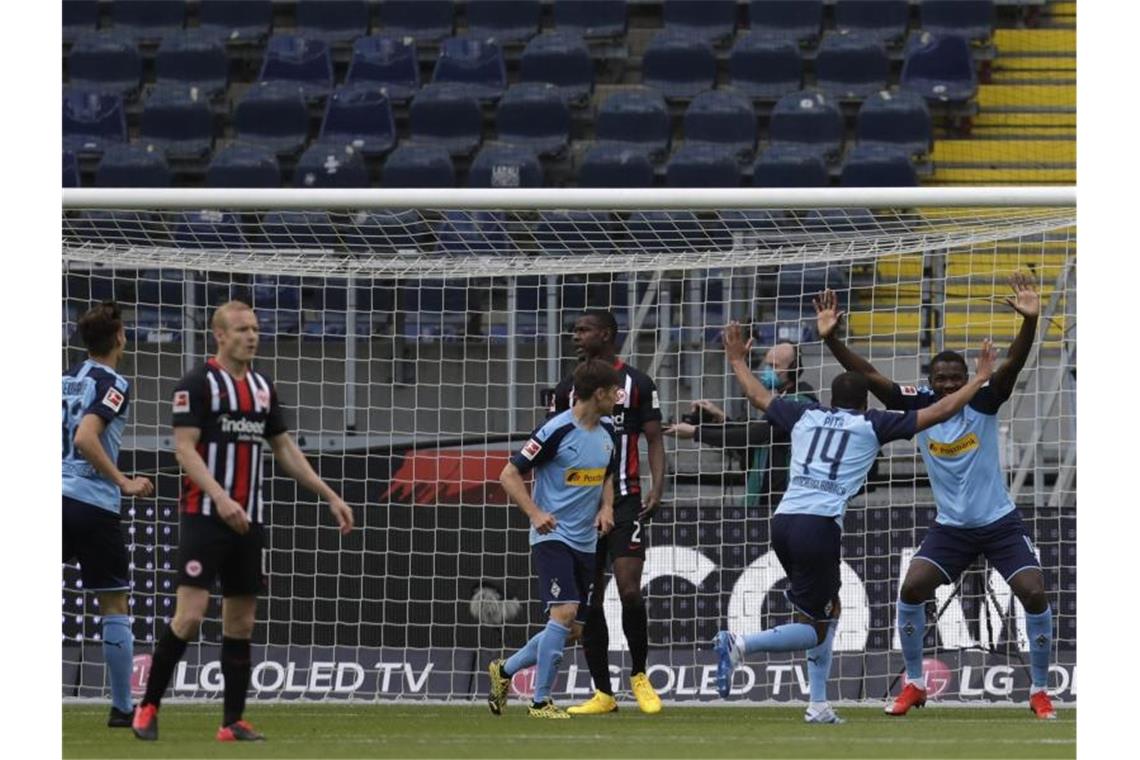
[296, 466]
[736, 351]
[88, 444]
[186, 452]
[947, 406]
[1026, 302]
[827, 320]
[513, 483]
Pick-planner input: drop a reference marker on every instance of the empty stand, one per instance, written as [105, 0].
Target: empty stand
[411, 165]
[851, 66]
[592, 19]
[635, 118]
[534, 115]
[386, 61]
[722, 118]
[883, 20]
[334, 21]
[782, 166]
[940, 68]
[446, 114]
[711, 20]
[148, 20]
[679, 65]
[703, 165]
[132, 166]
[765, 66]
[420, 20]
[360, 115]
[243, 166]
[105, 61]
[562, 59]
[330, 164]
[898, 119]
[193, 58]
[807, 121]
[800, 20]
[502, 165]
[615, 166]
[871, 166]
[273, 115]
[304, 62]
[971, 19]
[179, 121]
[79, 16]
[507, 21]
[92, 121]
[236, 21]
[474, 63]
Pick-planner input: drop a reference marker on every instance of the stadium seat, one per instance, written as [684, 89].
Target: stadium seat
[722, 118]
[606, 165]
[70, 169]
[896, 119]
[178, 121]
[360, 115]
[330, 165]
[207, 229]
[534, 115]
[788, 167]
[971, 19]
[387, 231]
[703, 165]
[273, 115]
[825, 223]
[672, 231]
[193, 59]
[678, 65]
[445, 114]
[711, 20]
[798, 19]
[148, 20]
[411, 165]
[79, 16]
[574, 232]
[505, 165]
[333, 21]
[243, 166]
[312, 230]
[386, 61]
[809, 121]
[505, 21]
[132, 166]
[562, 59]
[868, 166]
[475, 64]
[883, 20]
[849, 66]
[92, 120]
[592, 19]
[765, 67]
[114, 228]
[306, 63]
[635, 118]
[474, 233]
[420, 20]
[939, 68]
[105, 61]
[240, 21]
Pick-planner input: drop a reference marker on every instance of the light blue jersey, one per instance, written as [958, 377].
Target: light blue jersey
[961, 456]
[571, 464]
[832, 452]
[93, 388]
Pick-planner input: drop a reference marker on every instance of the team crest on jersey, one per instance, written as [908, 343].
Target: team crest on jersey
[908, 390]
[262, 397]
[181, 402]
[621, 396]
[193, 568]
[530, 451]
[114, 399]
[555, 589]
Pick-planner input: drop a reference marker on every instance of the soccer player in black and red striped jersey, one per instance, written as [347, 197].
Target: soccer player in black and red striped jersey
[223, 414]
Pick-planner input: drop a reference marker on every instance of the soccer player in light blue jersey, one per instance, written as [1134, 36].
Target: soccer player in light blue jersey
[96, 401]
[975, 514]
[833, 448]
[573, 458]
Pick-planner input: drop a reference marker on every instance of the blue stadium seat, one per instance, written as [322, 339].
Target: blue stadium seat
[971, 19]
[445, 114]
[240, 21]
[574, 232]
[939, 68]
[300, 230]
[505, 165]
[592, 19]
[278, 303]
[868, 166]
[679, 65]
[533, 114]
[711, 20]
[765, 67]
[825, 223]
[722, 118]
[883, 20]
[330, 165]
[360, 115]
[92, 120]
[703, 166]
[561, 59]
[114, 228]
[635, 118]
[387, 61]
[475, 64]
[788, 167]
[193, 59]
[148, 20]
[798, 19]
[387, 231]
[273, 115]
[506, 21]
[851, 67]
[606, 165]
[306, 63]
[177, 121]
[475, 233]
[421, 20]
[411, 165]
[334, 21]
[207, 229]
[672, 231]
[243, 166]
[897, 119]
[132, 166]
[105, 61]
[809, 121]
[70, 169]
[79, 16]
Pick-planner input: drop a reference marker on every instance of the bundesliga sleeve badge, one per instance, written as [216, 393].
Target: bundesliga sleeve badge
[530, 451]
[113, 399]
[181, 402]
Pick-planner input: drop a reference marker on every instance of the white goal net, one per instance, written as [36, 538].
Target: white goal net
[413, 337]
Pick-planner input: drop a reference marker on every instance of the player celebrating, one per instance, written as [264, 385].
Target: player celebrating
[975, 514]
[222, 412]
[833, 448]
[574, 458]
[96, 400]
[637, 412]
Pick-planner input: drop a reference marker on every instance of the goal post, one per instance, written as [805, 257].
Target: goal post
[414, 336]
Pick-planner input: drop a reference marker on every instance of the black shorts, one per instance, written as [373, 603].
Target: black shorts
[564, 575]
[208, 549]
[94, 537]
[1004, 542]
[808, 547]
[627, 538]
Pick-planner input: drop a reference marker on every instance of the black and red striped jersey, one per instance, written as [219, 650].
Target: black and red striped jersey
[236, 416]
[637, 404]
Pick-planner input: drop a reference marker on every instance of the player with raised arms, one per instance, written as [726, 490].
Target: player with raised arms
[975, 514]
[574, 460]
[833, 448]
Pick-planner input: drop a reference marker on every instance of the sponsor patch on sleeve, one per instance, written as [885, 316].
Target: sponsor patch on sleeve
[181, 402]
[530, 451]
[908, 390]
[113, 399]
[656, 400]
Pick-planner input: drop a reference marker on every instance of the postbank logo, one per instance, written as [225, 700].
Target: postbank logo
[956, 448]
[585, 476]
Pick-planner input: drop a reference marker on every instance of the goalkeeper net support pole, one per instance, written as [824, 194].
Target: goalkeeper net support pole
[415, 336]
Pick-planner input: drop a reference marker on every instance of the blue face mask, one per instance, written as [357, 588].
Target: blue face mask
[769, 379]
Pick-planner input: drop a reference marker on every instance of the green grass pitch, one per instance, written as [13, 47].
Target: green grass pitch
[696, 733]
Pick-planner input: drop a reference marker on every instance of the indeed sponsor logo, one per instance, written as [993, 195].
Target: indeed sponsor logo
[242, 427]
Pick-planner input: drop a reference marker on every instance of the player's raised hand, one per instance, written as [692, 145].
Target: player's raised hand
[1025, 300]
[681, 430]
[137, 486]
[735, 347]
[827, 313]
[232, 514]
[986, 361]
[543, 522]
[714, 411]
[342, 513]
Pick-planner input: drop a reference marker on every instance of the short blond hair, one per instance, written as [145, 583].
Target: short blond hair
[220, 320]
